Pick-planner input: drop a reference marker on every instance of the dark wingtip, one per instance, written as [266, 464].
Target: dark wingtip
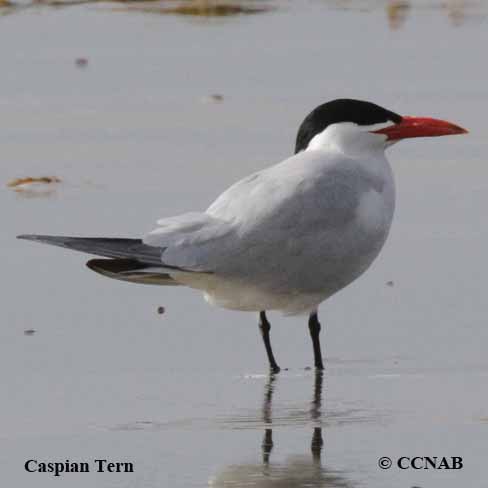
[97, 265]
[39, 238]
[28, 237]
[44, 239]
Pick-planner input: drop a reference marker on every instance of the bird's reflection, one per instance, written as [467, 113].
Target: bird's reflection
[315, 414]
[297, 471]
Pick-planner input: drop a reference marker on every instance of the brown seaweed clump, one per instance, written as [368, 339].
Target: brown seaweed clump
[43, 186]
[200, 8]
[213, 9]
[20, 183]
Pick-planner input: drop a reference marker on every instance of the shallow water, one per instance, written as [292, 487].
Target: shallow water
[135, 135]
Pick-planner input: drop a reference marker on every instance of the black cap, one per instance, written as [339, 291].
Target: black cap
[341, 110]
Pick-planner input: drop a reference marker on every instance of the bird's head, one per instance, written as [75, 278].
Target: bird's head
[355, 126]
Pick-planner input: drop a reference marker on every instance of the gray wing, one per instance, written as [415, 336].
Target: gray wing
[295, 219]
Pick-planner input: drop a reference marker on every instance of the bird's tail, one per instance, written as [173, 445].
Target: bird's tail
[129, 259]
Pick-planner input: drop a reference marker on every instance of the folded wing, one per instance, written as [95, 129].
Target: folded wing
[187, 241]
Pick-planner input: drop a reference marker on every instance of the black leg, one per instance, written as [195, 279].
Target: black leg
[265, 327]
[314, 327]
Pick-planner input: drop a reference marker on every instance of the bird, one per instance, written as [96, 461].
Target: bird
[285, 238]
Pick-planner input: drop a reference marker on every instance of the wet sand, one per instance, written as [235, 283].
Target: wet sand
[89, 368]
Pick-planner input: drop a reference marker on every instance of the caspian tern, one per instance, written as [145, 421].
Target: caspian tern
[285, 238]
